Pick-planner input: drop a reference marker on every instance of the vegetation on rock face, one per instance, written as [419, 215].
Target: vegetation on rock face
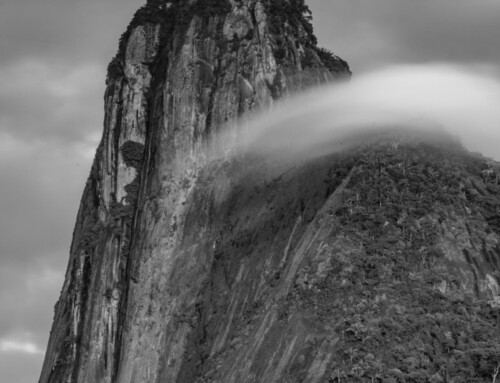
[122, 212]
[375, 295]
[90, 319]
[398, 311]
[290, 16]
[290, 20]
[132, 153]
[383, 295]
[170, 15]
[206, 8]
[293, 18]
[91, 226]
[330, 61]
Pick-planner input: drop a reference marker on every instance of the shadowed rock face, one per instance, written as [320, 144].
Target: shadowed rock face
[185, 71]
[379, 263]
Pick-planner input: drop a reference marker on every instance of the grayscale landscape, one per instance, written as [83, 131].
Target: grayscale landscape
[250, 191]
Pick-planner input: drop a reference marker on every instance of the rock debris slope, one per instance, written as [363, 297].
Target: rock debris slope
[380, 263]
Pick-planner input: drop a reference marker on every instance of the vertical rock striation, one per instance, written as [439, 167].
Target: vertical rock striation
[377, 264]
[185, 71]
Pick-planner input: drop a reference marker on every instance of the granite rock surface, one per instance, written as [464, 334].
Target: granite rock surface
[376, 264]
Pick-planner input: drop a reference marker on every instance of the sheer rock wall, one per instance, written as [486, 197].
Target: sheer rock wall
[377, 264]
[184, 72]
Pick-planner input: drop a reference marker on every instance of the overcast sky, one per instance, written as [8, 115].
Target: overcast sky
[52, 69]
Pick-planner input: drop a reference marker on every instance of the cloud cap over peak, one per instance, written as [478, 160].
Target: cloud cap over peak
[450, 97]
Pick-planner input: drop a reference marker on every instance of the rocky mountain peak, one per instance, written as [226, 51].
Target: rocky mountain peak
[379, 262]
[184, 72]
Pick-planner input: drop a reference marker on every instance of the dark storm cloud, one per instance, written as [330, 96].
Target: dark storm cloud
[371, 33]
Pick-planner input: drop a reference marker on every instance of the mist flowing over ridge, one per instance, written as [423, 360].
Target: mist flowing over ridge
[435, 97]
[378, 260]
[184, 72]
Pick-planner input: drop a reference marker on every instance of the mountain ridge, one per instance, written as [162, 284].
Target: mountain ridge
[184, 71]
[379, 262]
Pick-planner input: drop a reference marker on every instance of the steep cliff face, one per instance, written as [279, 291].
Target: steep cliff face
[185, 70]
[379, 263]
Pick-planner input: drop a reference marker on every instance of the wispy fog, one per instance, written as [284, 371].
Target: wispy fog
[465, 102]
